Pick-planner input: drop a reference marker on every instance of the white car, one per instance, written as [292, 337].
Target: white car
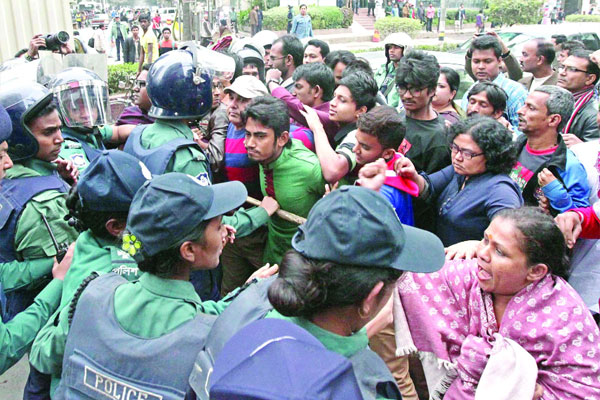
[100, 19]
[167, 17]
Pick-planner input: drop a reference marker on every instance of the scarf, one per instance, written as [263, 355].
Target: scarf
[452, 320]
[581, 99]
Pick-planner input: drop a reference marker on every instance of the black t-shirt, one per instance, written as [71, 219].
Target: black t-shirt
[426, 144]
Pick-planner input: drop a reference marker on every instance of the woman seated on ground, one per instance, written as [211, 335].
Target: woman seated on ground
[468, 193]
[443, 101]
[477, 316]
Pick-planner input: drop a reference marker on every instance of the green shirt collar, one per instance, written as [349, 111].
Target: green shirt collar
[31, 167]
[177, 125]
[173, 288]
[343, 345]
[282, 157]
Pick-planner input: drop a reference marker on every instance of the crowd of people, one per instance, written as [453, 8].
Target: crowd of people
[277, 220]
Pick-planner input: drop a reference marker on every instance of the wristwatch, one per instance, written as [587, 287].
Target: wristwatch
[505, 54]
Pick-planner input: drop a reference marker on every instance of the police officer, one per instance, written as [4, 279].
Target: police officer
[100, 204]
[139, 339]
[33, 189]
[16, 337]
[180, 90]
[333, 283]
[82, 100]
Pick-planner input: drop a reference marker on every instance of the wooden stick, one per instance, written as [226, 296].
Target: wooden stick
[288, 216]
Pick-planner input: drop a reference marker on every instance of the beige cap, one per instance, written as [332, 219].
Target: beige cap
[248, 87]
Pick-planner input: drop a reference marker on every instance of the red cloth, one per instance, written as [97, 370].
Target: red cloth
[590, 224]
[405, 185]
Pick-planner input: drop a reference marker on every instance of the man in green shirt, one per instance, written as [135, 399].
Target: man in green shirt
[174, 227]
[82, 100]
[100, 206]
[33, 188]
[233, 19]
[289, 172]
[396, 45]
[16, 336]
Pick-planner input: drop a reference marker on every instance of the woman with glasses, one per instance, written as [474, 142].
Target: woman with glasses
[468, 193]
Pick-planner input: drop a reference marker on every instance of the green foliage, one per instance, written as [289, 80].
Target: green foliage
[510, 12]
[120, 73]
[388, 25]
[470, 14]
[583, 18]
[436, 47]
[243, 18]
[275, 19]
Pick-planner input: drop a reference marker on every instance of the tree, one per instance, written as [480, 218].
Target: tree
[510, 12]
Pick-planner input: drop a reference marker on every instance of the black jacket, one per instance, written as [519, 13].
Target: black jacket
[585, 126]
[129, 50]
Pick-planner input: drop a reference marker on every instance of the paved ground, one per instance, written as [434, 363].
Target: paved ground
[13, 381]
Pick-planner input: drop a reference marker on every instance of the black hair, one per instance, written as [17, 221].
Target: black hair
[495, 94]
[146, 67]
[559, 38]
[134, 27]
[43, 112]
[571, 45]
[293, 46]
[452, 78]
[83, 218]
[302, 5]
[270, 112]
[360, 64]
[305, 287]
[386, 124]
[363, 88]
[317, 74]
[165, 264]
[323, 46]
[542, 241]
[337, 56]
[166, 28]
[494, 140]
[545, 49]
[592, 67]
[418, 70]
[486, 42]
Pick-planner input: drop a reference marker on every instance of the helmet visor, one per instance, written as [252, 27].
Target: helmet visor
[83, 104]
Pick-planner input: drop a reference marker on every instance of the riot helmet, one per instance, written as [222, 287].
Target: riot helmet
[400, 39]
[265, 38]
[23, 100]
[250, 55]
[179, 83]
[81, 97]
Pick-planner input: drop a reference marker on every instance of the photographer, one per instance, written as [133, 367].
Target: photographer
[57, 43]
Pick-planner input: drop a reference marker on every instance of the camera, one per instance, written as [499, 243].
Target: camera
[55, 40]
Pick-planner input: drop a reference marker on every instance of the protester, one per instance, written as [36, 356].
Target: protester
[315, 51]
[338, 60]
[485, 54]
[579, 75]
[131, 46]
[489, 99]
[286, 55]
[137, 114]
[476, 186]
[148, 42]
[537, 57]
[167, 43]
[445, 93]
[543, 156]
[527, 332]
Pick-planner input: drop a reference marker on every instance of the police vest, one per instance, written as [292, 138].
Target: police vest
[252, 303]
[14, 196]
[157, 159]
[102, 361]
[89, 151]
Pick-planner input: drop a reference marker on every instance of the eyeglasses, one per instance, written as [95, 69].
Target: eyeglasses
[572, 69]
[413, 91]
[140, 84]
[467, 154]
[275, 58]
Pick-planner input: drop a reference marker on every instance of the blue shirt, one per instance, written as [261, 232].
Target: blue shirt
[302, 26]
[464, 214]
[402, 203]
[516, 99]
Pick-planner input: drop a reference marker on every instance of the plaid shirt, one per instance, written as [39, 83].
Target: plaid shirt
[516, 98]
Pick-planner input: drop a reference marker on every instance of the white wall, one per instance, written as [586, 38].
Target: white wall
[21, 19]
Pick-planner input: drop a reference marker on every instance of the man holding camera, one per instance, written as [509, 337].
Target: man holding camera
[57, 43]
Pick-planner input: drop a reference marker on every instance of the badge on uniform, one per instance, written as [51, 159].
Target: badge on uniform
[78, 160]
[203, 179]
